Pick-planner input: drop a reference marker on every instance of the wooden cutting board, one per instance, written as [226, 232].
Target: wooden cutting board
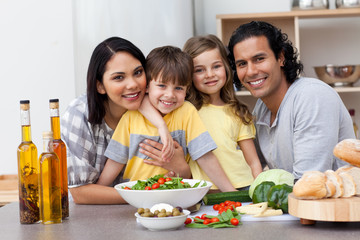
[328, 209]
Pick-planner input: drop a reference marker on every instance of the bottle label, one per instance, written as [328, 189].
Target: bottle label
[25, 117]
[54, 112]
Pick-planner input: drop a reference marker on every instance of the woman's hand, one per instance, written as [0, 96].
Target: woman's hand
[177, 165]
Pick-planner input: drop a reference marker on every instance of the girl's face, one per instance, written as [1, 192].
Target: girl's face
[124, 82]
[209, 73]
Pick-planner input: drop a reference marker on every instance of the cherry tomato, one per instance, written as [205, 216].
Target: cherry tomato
[227, 202]
[155, 185]
[214, 219]
[161, 181]
[216, 207]
[234, 221]
[207, 221]
[127, 188]
[147, 188]
[238, 204]
[203, 216]
[222, 204]
[168, 179]
[188, 220]
[182, 182]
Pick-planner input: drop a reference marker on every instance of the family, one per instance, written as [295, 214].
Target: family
[175, 112]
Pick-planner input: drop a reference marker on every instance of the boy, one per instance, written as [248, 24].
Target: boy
[169, 74]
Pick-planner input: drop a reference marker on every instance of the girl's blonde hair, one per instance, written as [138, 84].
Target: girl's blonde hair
[196, 46]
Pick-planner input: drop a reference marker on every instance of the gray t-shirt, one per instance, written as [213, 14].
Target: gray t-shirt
[310, 121]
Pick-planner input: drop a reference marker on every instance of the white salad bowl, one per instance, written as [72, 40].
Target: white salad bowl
[184, 198]
[163, 223]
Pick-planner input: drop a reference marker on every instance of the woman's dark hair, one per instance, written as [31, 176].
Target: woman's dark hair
[278, 43]
[97, 67]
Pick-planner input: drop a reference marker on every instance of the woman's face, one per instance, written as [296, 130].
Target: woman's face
[124, 82]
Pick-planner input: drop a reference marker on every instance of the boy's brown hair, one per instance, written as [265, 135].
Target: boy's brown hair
[171, 64]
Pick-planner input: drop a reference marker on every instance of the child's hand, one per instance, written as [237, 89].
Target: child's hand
[168, 149]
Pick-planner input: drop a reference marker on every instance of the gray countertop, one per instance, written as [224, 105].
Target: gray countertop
[108, 222]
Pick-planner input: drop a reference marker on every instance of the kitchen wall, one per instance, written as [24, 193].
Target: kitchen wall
[36, 63]
[46, 46]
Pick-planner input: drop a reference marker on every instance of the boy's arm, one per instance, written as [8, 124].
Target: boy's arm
[110, 172]
[153, 115]
[248, 148]
[211, 166]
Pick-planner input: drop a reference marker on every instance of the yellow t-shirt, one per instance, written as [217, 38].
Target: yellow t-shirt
[226, 132]
[185, 127]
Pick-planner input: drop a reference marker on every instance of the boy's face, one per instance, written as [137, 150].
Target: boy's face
[166, 97]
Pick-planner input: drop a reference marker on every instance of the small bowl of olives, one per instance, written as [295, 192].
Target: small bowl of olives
[162, 219]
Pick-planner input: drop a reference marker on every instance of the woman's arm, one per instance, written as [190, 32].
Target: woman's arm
[153, 115]
[96, 194]
[248, 148]
[110, 172]
[177, 165]
[211, 166]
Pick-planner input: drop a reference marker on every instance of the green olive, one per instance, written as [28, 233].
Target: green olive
[162, 214]
[140, 211]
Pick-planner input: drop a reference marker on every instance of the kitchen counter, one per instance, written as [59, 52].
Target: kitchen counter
[118, 222]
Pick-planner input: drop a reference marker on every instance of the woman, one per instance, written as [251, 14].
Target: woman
[116, 83]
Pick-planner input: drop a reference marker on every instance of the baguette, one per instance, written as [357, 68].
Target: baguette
[348, 150]
[337, 181]
[355, 173]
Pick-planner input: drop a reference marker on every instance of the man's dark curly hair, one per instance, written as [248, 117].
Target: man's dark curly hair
[278, 43]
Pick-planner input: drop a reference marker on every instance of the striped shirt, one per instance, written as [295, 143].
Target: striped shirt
[85, 143]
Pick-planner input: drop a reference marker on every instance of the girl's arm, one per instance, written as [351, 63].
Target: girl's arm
[248, 148]
[211, 166]
[153, 115]
[177, 165]
[110, 172]
[96, 194]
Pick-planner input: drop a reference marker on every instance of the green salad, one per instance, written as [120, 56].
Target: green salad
[160, 182]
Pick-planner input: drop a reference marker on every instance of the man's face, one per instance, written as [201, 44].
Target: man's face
[258, 69]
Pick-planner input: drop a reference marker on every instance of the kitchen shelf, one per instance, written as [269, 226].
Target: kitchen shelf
[338, 89]
[288, 22]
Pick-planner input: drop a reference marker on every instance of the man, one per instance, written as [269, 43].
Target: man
[298, 120]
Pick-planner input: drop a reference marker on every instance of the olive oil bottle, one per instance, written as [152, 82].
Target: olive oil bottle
[28, 169]
[60, 149]
[50, 183]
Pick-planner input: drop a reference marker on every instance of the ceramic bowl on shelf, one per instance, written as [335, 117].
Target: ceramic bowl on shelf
[347, 3]
[162, 223]
[338, 76]
[184, 197]
[309, 4]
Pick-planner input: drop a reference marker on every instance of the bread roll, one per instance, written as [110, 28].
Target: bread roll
[348, 184]
[355, 173]
[337, 181]
[312, 185]
[330, 188]
[348, 150]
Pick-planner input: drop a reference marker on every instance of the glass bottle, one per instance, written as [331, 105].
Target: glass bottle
[50, 185]
[356, 129]
[28, 167]
[60, 149]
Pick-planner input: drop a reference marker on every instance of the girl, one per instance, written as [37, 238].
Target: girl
[228, 121]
